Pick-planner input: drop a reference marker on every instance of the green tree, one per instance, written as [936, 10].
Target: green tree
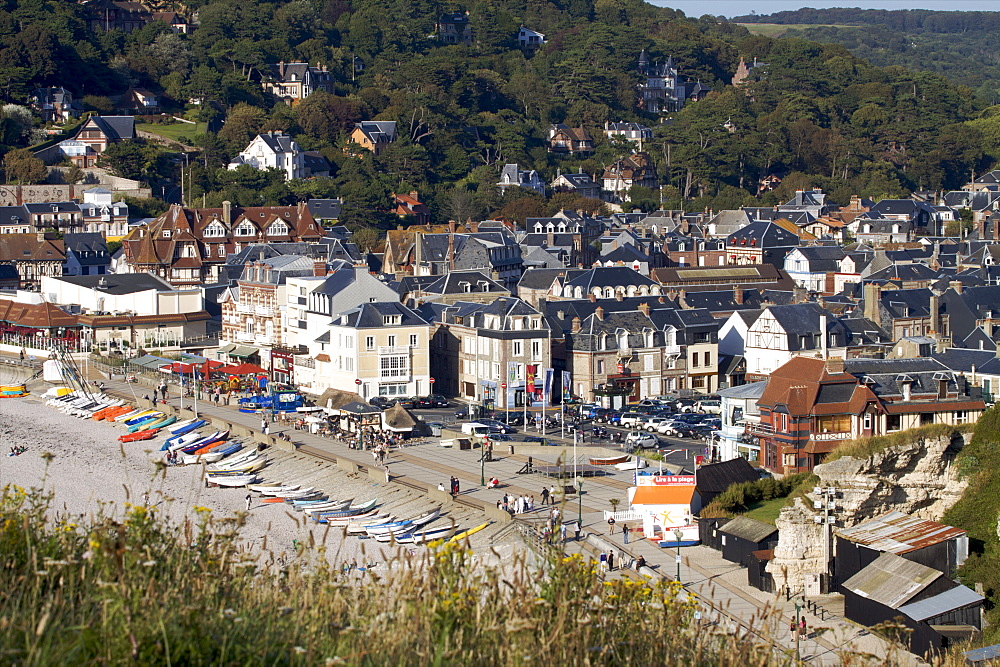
[243, 123]
[21, 166]
[130, 159]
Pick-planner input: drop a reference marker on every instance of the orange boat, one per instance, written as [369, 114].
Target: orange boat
[111, 412]
[273, 500]
[139, 435]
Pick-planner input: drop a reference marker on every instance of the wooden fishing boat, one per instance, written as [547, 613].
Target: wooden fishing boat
[345, 513]
[162, 423]
[608, 460]
[234, 481]
[267, 490]
[397, 526]
[374, 515]
[430, 535]
[358, 525]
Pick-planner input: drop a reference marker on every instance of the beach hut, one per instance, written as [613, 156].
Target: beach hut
[938, 611]
[743, 535]
[397, 419]
[922, 541]
[757, 574]
[708, 531]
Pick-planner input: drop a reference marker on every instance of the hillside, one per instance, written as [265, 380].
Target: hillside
[960, 45]
[816, 115]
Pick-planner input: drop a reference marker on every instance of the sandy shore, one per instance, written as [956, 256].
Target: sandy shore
[89, 469]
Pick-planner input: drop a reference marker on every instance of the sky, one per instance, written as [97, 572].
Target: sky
[731, 8]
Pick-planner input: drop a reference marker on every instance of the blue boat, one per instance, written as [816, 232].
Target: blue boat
[189, 427]
[139, 420]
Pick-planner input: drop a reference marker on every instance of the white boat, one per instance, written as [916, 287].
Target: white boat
[420, 537]
[269, 490]
[176, 426]
[403, 527]
[286, 494]
[355, 526]
[374, 515]
[209, 457]
[252, 465]
[636, 464]
[331, 506]
[239, 457]
[233, 480]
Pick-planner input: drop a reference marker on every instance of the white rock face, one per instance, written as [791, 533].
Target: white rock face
[918, 478]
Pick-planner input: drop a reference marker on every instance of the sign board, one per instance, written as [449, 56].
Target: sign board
[673, 480]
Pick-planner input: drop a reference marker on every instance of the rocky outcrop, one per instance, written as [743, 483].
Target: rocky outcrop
[916, 478]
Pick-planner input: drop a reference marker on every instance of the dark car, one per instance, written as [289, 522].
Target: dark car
[408, 402]
[439, 401]
[614, 418]
[381, 402]
[424, 402]
[496, 426]
[500, 437]
[534, 438]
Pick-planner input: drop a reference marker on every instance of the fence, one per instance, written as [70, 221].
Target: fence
[69, 345]
[624, 515]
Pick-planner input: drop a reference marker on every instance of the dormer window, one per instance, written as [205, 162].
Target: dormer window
[214, 230]
[391, 320]
[166, 233]
[277, 228]
[245, 229]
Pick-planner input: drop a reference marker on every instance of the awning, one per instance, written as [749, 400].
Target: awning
[228, 348]
[244, 351]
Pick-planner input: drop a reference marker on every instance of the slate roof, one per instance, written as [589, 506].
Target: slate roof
[717, 477]
[14, 215]
[610, 276]
[905, 272]
[53, 207]
[765, 234]
[90, 248]
[822, 258]
[369, 315]
[450, 283]
[961, 359]
[801, 318]
[120, 283]
[378, 131]
[749, 390]
[115, 128]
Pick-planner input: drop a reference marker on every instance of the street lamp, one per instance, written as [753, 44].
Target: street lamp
[678, 534]
[506, 402]
[579, 500]
[482, 461]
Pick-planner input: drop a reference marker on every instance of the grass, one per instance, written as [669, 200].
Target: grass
[766, 510]
[779, 29]
[174, 131]
[862, 448]
[142, 590]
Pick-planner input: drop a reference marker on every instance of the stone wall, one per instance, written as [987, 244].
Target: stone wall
[917, 478]
[15, 195]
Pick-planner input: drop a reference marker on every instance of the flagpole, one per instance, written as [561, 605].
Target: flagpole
[194, 377]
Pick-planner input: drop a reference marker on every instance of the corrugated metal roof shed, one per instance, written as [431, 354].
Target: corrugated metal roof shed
[942, 603]
[979, 655]
[748, 529]
[891, 580]
[899, 533]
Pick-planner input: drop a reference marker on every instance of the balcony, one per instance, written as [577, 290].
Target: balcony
[263, 340]
[757, 428]
[244, 337]
[243, 308]
[673, 350]
[832, 436]
[263, 311]
[386, 350]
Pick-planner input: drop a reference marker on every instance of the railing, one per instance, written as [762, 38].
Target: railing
[263, 340]
[244, 337]
[763, 429]
[47, 343]
[624, 515]
[244, 308]
[832, 436]
[264, 311]
[393, 349]
[305, 362]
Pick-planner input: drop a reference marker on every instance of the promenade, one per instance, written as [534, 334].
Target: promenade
[727, 601]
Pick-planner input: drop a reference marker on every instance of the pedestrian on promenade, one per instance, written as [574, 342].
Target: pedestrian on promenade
[552, 495]
[625, 532]
[611, 559]
[562, 532]
[545, 495]
[792, 628]
[576, 531]
[387, 477]
[249, 501]
[611, 525]
[603, 558]
[264, 425]
[803, 633]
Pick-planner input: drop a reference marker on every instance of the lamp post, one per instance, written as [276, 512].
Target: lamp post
[482, 461]
[361, 441]
[798, 609]
[579, 500]
[506, 402]
[678, 534]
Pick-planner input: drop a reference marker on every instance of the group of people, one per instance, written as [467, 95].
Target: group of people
[17, 450]
[380, 454]
[516, 504]
[548, 495]
[163, 390]
[799, 630]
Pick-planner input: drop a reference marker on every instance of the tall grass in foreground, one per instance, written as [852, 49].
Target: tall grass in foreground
[140, 590]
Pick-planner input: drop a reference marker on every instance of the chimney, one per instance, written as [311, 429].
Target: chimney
[451, 249]
[661, 300]
[872, 294]
[738, 294]
[835, 365]
[799, 295]
[935, 310]
[319, 268]
[956, 285]
[600, 313]
[414, 195]
[682, 299]
[40, 236]
[619, 296]
[577, 325]
[281, 69]
[451, 226]
[592, 297]
[550, 239]
[824, 337]
[644, 309]
[227, 212]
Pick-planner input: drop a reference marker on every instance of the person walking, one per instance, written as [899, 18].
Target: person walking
[803, 633]
[625, 532]
[264, 425]
[611, 560]
[249, 501]
[562, 532]
[552, 495]
[603, 558]
[793, 629]
[611, 525]
[387, 477]
[545, 495]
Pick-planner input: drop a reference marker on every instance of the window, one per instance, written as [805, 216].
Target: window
[536, 349]
[708, 358]
[600, 367]
[369, 343]
[647, 360]
[413, 340]
[392, 341]
[277, 228]
[694, 360]
[222, 250]
[518, 348]
[391, 320]
[395, 366]
[959, 417]
[867, 421]
[836, 423]
[214, 230]
[246, 229]
[392, 390]
[166, 233]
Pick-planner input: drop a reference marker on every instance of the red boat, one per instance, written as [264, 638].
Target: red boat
[609, 460]
[138, 435]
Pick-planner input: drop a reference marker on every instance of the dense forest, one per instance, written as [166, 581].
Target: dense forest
[816, 115]
[964, 46]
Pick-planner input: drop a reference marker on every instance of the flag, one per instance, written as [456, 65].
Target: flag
[529, 376]
[511, 373]
[548, 381]
[567, 386]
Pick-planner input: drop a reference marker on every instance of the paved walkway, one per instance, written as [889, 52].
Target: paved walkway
[728, 601]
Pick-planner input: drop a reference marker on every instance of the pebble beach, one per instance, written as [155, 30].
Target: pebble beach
[87, 470]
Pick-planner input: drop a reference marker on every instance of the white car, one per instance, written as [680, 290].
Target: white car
[640, 439]
[652, 423]
[710, 406]
[631, 419]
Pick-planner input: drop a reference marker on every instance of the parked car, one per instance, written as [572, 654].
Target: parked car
[589, 410]
[686, 405]
[711, 406]
[381, 402]
[651, 423]
[440, 401]
[497, 426]
[423, 402]
[640, 439]
[408, 402]
[500, 437]
[630, 419]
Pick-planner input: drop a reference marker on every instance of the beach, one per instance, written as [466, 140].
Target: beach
[82, 464]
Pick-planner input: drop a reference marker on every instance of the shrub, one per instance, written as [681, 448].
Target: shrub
[739, 497]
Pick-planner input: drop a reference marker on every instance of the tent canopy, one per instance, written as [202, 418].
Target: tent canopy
[243, 369]
[243, 351]
[398, 419]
